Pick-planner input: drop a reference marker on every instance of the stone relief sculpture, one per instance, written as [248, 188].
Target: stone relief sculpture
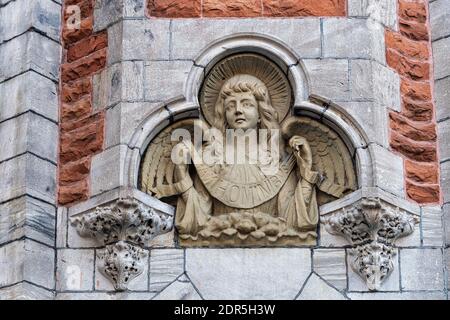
[258, 174]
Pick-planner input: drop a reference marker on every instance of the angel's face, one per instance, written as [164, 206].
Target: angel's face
[241, 111]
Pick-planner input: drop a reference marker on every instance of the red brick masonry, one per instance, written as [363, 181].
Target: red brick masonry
[81, 129]
[413, 130]
[245, 8]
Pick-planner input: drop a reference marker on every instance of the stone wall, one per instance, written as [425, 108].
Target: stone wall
[440, 36]
[135, 66]
[29, 74]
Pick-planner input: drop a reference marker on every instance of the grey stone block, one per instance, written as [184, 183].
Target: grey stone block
[383, 11]
[303, 35]
[28, 91]
[440, 19]
[361, 79]
[25, 291]
[398, 296]
[75, 270]
[170, 75]
[146, 39]
[107, 87]
[388, 170]
[29, 175]
[27, 217]
[102, 283]
[127, 295]
[30, 51]
[21, 15]
[356, 283]
[373, 119]
[442, 98]
[413, 240]
[446, 218]
[422, 269]
[317, 289]
[432, 231]
[445, 181]
[166, 240]
[134, 8]
[346, 38]
[106, 13]
[329, 78]
[107, 169]
[61, 227]
[386, 87]
[27, 260]
[328, 240]
[182, 289]
[29, 133]
[132, 81]
[441, 48]
[331, 266]
[248, 273]
[166, 265]
[444, 141]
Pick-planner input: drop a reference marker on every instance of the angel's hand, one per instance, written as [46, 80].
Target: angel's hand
[302, 150]
[182, 152]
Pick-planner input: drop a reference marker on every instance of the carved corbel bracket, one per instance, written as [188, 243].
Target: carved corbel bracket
[371, 226]
[124, 226]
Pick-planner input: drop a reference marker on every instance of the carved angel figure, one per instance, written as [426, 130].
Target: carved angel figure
[229, 203]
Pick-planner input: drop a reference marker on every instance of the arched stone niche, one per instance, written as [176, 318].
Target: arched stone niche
[368, 204]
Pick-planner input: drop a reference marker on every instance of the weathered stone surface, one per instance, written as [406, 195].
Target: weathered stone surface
[306, 44]
[440, 57]
[389, 170]
[166, 265]
[181, 289]
[421, 193]
[416, 131]
[446, 220]
[329, 78]
[27, 260]
[422, 172]
[75, 270]
[27, 217]
[133, 81]
[432, 228]
[152, 35]
[412, 10]
[105, 296]
[413, 240]
[28, 133]
[87, 46]
[398, 296]
[386, 84]
[21, 15]
[361, 85]
[25, 291]
[391, 283]
[231, 8]
[61, 227]
[317, 289]
[422, 269]
[107, 13]
[139, 283]
[416, 150]
[445, 180]
[290, 8]
[383, 11]
[248, 273]
[442, 96]
[338, 33]
[30, 51]
[444, 143]
[16, 97]
[74, 91]
[107, 87]
[412, 69]
[329, 240]
[170, 75]
[84, 67]
[331, 266]
[166, 240]
[439, 19]
[175, 8]
[29, 175]
[107, 169]
[403, 45]
[72, 192]
[413, 29]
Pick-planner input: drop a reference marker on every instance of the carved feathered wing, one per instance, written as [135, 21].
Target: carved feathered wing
[157, 172]
[331, 158]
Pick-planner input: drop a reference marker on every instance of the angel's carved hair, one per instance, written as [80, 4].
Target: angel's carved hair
[246, 83]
